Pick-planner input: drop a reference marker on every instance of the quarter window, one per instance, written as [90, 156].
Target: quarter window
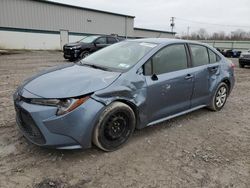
[171, 58]
[199, 55]
[213, 57]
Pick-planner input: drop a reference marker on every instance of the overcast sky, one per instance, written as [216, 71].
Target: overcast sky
[223, 15]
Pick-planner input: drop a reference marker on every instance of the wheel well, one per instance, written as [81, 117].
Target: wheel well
[133, 107]
[226, 81]
[85, 50]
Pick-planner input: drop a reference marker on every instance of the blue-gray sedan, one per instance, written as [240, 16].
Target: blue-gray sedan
[103, 98]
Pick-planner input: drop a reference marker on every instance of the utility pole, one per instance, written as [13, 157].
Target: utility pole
[188, 28]
[172, 24]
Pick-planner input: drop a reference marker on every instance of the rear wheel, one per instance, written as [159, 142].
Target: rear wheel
[220, 97]
[115, 126]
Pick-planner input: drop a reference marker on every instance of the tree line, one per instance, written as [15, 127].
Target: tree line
[202, 34]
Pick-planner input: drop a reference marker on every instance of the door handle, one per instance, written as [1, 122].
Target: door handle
[189, 76]
[213, 69]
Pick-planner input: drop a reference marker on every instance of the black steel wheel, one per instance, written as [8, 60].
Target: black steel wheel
[115, 126]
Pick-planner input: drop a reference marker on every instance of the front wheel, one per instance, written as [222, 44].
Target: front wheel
[83, 54]
[220, 97]
[115, 126]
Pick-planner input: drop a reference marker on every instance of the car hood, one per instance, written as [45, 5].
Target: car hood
[74, 44]
[68, 81]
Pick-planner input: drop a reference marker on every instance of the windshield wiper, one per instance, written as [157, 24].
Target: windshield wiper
[95, 66]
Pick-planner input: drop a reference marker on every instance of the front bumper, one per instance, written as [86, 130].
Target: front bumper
[71, 53]
[41, 126]
[244, 61]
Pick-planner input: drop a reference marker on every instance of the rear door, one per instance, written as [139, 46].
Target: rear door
[203, 72]
[169, 82]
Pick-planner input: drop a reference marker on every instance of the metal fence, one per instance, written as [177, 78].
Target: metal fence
[240, 45]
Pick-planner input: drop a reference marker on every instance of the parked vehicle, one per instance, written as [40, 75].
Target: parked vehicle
[126, 86]
[232, 53]
[219, 50]
[244, 59]
[86, 46]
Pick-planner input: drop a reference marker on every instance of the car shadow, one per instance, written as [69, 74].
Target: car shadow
[138, 136]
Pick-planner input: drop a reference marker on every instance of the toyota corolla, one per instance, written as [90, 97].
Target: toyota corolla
[103, 98]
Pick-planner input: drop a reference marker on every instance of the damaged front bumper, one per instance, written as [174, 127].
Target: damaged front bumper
[41, 126]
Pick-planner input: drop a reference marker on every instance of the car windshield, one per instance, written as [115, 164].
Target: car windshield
[89, 39]
[119, 56]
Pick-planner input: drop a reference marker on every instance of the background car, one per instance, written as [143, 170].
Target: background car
[87, 45]
[232, 53]
[244, 59]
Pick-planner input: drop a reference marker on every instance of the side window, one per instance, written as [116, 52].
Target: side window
[111, 40]
[148, 68]
[213, 57]
[101, 40]
[171, 58]
[199, 55]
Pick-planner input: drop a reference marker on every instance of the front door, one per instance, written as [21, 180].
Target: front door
[101, 43]
[169, 82]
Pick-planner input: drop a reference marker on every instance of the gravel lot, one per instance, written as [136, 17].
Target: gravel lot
[201, 149]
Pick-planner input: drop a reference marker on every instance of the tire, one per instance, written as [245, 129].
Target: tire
[241, 65]
[220, 97]
[84, 54]
[115, 126]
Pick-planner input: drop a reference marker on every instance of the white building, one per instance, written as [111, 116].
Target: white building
[38, 24]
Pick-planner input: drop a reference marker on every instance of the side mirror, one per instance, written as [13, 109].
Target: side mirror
[154, 77]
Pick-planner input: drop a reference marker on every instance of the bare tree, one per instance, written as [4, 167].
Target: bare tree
[202, 33]
[239, 35]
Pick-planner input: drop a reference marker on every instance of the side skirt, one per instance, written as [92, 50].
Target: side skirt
[176, 115]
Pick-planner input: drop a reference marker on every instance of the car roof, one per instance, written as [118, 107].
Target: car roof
[165, 40]
[104, 36]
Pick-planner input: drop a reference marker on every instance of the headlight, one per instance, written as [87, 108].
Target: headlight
[241, 55]
[64, 105]
[76, 47]
[68, 105]
[47, 102]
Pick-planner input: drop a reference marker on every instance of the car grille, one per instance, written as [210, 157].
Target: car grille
[28, 126]
[67, 51]
[246, 56]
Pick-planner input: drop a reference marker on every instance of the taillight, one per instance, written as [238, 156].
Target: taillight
[232, 65]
